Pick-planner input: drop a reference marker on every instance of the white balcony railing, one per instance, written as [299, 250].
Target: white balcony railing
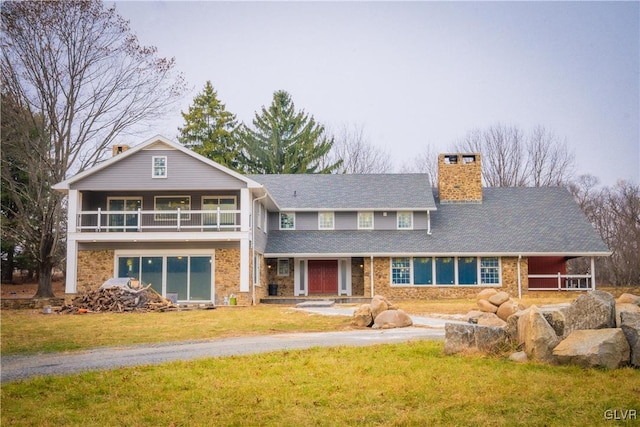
[560, 282]
[158, 220]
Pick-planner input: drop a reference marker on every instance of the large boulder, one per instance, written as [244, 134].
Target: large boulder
[594, 347]
[486, 294]
[392, 319]
[362, 316]
[506, 309]
[555, 315]
[378, 305]
[486, 306]
[630, 325]
[469, 338]
[594, 310]
[499, 298]
[537, 336]
[490, 319]
[627, 308]
[628, 298]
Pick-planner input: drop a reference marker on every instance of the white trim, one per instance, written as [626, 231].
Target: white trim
[456, 273]
[291, 214]
[300, 268]
[71, 274]
[154, 166]
[280, 274]
[245, 258]
[373, 219]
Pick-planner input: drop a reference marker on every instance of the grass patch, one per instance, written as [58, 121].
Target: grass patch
[30, 331]
[403, 384]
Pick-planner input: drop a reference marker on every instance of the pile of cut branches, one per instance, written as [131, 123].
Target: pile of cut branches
[118, 300]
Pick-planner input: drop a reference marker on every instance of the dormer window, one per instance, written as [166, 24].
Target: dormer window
[287, 221]
[365, 220]
[405, 220]
[159, 167]
[325, 220]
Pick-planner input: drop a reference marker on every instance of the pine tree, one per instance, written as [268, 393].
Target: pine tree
[209, 129]
[285, 141]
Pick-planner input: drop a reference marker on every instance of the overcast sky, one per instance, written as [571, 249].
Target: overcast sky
[413, 74]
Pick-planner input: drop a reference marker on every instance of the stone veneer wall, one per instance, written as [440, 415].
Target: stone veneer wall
[227, 276]
[286, 284]
[94, 268]
[459, 182]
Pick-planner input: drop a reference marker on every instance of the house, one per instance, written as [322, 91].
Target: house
[199, 232]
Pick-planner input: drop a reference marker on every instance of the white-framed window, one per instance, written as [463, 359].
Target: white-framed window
[159, 167]
[283, 266]
[326, 220]
[172, 203]
[445, 271]
[405, 220]
[224, 203]
[287, 221]
[489, 270]
[365, 220]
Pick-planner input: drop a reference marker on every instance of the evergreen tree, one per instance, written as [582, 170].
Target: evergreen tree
[209, 129]
[285, 141]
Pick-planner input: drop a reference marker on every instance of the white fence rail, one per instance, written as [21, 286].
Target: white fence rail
[158, 220]
[560, 282]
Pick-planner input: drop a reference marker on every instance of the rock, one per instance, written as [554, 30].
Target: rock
[519, 356]
[486, 306]
[499, 298]
[555, 316]
[465, 337]
[378, 305]
[628, 299]
[593, 310]
[594, 347]
[512, 325]
[486, 294]
[392, 319]
[537, 335]
[362, 316]
[625, 307]
[630, 325]
[473, 315]
[506, 309]
[490, 319]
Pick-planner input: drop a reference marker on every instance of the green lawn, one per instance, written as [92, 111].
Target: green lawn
[395, 385]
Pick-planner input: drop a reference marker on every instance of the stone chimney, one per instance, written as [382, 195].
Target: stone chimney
[460, 178]
[117, 149]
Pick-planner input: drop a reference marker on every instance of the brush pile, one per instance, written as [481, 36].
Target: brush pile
[118, 300]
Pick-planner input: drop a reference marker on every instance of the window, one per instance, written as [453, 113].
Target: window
[287, 221]
[467, 271]
[400, 271]
[489, 271]
[159, 168]
[283, 267]
[172, 203]
[422, 271]
[225, 203]
[445, 271]
[405, 220]
[123, 221]
[365, 220]
[325, 220]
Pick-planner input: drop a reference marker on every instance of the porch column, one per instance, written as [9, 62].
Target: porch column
[72, 211]
[593, 273]
[71, 275]
[245, 257]
[245, 209]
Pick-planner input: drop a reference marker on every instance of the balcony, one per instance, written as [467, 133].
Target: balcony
[158, 221]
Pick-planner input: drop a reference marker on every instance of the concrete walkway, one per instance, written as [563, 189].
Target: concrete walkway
[22, 367]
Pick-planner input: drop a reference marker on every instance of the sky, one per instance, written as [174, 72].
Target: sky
[418, 74]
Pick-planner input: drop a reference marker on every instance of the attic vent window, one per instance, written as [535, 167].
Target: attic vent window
[468, 159]
[451, 160]
[159, 167]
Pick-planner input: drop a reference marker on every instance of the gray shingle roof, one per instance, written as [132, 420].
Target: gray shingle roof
[349, 191]
[527, 221]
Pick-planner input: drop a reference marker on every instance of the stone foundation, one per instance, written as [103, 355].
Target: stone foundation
[94, 268]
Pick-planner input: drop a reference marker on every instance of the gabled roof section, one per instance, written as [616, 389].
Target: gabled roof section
[334, 192]
[156, 143]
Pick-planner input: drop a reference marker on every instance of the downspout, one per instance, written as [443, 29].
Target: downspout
[519, 278]
[253, 246]
[371, 274]
[429, 222]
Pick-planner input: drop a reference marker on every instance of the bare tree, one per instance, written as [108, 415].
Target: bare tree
[358, 155]
[78, 67]
[511, 159]
[424, 161]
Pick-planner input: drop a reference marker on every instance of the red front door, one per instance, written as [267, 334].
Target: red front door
[323, 276]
